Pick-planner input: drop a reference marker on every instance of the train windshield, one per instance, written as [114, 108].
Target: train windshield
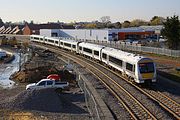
[146, 67]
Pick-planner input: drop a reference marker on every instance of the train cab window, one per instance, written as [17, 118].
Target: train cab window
[87, 50]
[74, 46]
[96, 53]
[146, 67]
[104, 56]
[129, 66]
[115, 61]
[45, 39]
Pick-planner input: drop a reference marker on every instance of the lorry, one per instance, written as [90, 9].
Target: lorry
[47, 83]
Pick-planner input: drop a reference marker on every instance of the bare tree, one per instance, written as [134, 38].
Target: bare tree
[105, 19]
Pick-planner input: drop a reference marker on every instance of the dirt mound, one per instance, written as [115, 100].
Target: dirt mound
[40, 100]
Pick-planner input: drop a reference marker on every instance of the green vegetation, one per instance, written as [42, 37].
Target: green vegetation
[157, 20]
[172, 32]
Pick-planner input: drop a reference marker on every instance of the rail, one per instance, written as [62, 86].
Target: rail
[96, 106]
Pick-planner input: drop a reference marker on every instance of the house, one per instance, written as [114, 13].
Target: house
[2, 28]
[17, 30]
[12, 29]
[35, 28]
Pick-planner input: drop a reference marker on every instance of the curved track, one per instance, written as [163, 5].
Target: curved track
[135, 108]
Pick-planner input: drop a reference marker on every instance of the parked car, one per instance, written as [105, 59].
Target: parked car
[54, 77]
[47, 83]
[130, 41]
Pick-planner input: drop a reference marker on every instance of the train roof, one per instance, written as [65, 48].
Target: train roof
[69, 41]
[37, 36]
[50, 38]
[91, 46]
[125, 56]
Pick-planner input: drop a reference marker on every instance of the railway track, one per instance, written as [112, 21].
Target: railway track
[135, 108]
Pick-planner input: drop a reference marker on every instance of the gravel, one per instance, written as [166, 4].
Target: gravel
[40, 100]
[45, 102]
[116, 108]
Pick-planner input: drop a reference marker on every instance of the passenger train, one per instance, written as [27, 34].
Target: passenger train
[138, 68]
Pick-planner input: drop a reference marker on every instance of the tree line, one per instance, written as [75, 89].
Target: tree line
[105, 22]
[171, 30]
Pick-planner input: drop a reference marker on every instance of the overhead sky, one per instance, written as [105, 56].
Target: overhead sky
[85, 10]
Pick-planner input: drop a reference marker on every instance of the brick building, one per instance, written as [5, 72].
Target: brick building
[30, 29]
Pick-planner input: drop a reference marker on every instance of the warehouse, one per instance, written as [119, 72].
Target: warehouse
[137, 33]
[83, 34]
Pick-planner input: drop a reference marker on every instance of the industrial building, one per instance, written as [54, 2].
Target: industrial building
[83, 34]
[137, 33]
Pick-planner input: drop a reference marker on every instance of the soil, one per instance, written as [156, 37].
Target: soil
[18, 103]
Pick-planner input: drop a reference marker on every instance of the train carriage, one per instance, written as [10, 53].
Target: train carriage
[37, 38]
[69, 45]
[139, 68]
[91, 50]
[52, 41]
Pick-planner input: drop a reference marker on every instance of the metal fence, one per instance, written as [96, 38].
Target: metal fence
[138, 48]
[96, 106]
[134, 47]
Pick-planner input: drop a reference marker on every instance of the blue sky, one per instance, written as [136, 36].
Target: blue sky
[85, 10]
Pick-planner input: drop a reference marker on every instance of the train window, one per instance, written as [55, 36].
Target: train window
[61, 43]
[67, 44]
[45, 39]
[52, 41]
[74, 46]
[41, 39]
[146, 67]
[32, 38]
[104, 56]
[115, 61]
[87, 50]
[56, 42]
[36, 38]
[80, 48]
[96, 53]
[129, 66]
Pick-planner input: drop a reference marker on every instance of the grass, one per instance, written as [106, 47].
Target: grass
[173, 77]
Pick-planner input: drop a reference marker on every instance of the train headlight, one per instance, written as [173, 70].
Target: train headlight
[154, 79]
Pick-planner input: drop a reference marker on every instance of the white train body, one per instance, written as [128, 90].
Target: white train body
[129, 64]
[69, 45]
[138, 68]
[37, 38]
[91, 50]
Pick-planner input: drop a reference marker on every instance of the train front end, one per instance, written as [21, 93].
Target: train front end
[146, 71]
